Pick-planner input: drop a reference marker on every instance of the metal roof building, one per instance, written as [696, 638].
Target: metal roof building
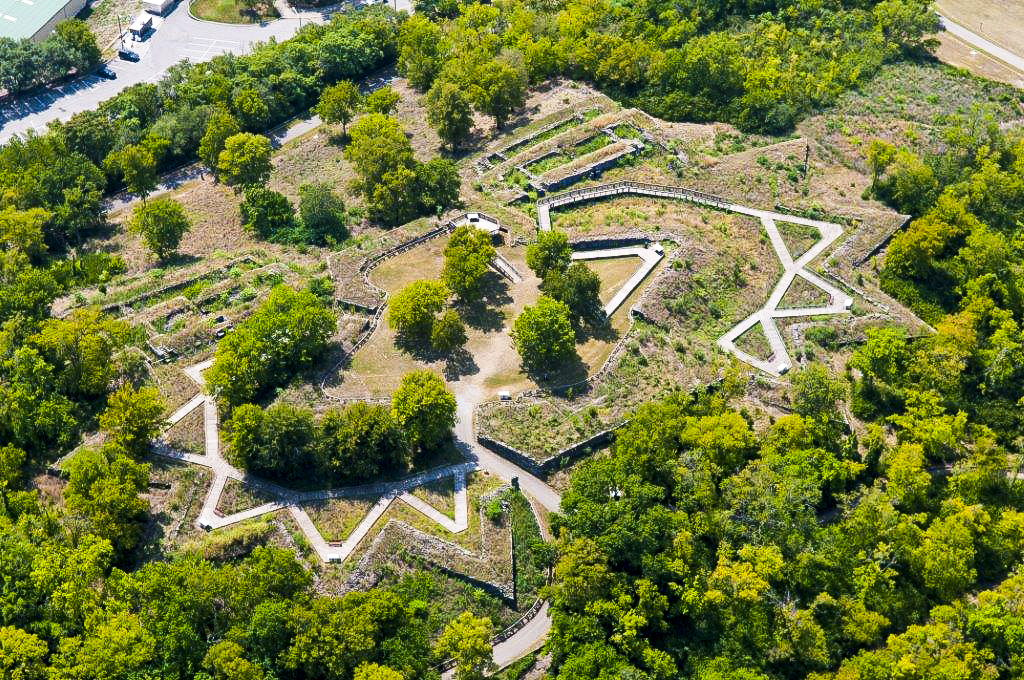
[35, 19]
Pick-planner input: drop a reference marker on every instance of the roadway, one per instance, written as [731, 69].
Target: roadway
[176, 37]
[983, 44]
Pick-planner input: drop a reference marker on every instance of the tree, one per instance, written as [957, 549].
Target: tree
[424, 408]
[11, 460]
[361, 441]
[245, 160]
[250, 108]
[162, 223]
[551, 252]
[382, 100]
[579, 288]
[437, 185]
[268, 214]
[221, 126]
[499, 89]
[467, 639]
[421, 47]
[450, 112]
[394, 199]
[467, 258]
[118, 647]
[133, 418]
[287, 333]
[279, 442]
[22, 655]
[136, 166]
[225, 661]
[411, 311]
[323, 214]
[543, 334]
[339, 103]
[448, 332]
[378, 146]
[104, 487]
[372, 671]
[81, 42]
[815, 393]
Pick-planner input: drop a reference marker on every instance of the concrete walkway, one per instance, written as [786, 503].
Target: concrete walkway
[839, 302]
[779, 362]
[650, 257]
[387, 492]
[526, 640]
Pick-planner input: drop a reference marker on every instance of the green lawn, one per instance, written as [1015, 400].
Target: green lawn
[233, 11]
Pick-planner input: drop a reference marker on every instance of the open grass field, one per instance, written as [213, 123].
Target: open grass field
[955, 52]
[233, 11]
[1001, 21]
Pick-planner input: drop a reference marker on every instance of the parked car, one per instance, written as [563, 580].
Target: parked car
[127, 54]
[106, 73]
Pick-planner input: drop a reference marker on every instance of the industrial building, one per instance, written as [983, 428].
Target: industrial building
[35, 19]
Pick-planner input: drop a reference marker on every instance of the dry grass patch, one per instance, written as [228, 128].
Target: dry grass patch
[755, 343]
[238, 496]
[955, 52]
[337, 518]
[1000, 21]
[439, 494]
[188, 434]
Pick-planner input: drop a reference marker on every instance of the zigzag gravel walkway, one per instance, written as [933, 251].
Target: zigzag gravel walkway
[779, 362]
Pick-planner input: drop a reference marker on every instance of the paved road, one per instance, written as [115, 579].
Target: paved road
[1013, 59]
[178, 36]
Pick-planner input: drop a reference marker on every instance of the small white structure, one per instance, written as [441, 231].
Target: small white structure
[481, 222]
[158, 7]
[141, 26]
[504, 395]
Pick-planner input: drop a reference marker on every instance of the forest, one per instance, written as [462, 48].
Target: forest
[698, 546]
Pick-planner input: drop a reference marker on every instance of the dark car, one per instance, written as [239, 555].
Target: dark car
[127, 54]
[106, 73]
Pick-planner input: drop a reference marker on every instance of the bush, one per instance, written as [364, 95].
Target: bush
[268, 214]
[323, 215]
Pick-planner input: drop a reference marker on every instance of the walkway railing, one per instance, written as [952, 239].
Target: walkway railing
[544, 205]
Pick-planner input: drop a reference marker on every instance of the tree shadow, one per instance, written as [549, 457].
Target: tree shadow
[599, 328]
[484, 311]
[458, 363]
[565, 372]
[178, 260]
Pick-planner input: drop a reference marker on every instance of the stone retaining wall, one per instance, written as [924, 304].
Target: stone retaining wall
[557, 461]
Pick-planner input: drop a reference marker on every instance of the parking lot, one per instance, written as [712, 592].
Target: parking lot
[175, 37]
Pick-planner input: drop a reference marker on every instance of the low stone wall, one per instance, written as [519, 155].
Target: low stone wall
[555, 462]
[591, 170]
